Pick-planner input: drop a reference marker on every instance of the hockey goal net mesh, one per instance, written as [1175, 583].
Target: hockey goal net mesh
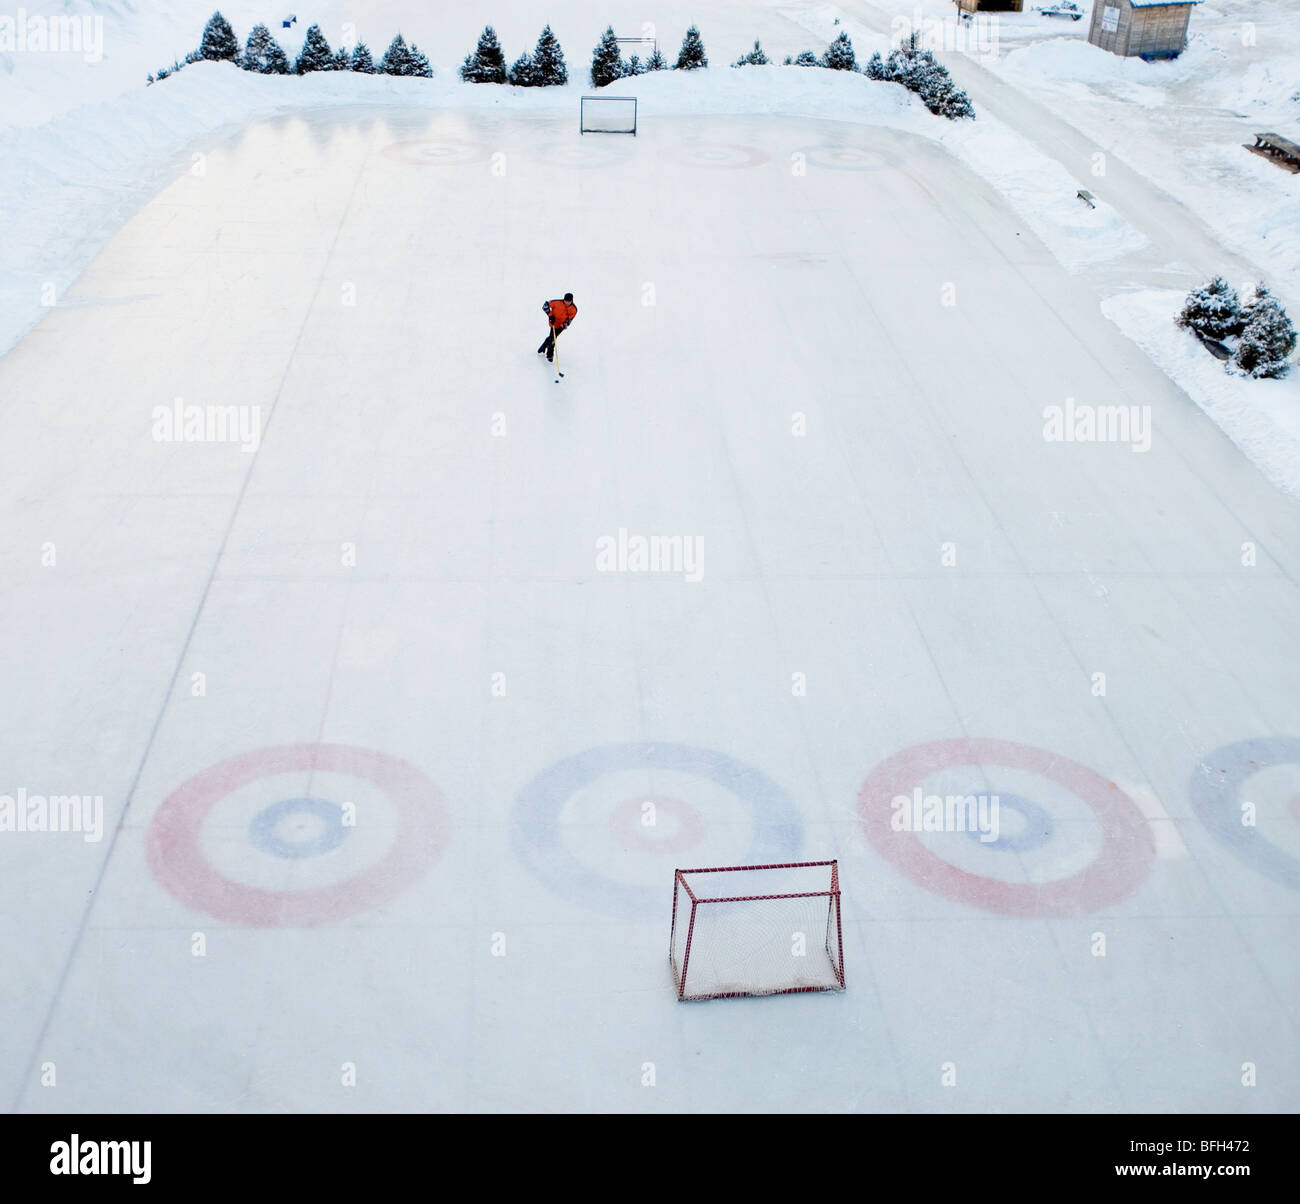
[607, 115]
[757, 930]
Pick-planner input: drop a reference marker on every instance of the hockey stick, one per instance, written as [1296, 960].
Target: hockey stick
[555, 351]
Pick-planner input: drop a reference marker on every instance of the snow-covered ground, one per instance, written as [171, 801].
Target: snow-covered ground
[828, 344]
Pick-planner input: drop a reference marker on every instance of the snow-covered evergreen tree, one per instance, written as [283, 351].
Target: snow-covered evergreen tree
[692, 56]
[419, 63]
[656, 62]
[342, 60]
[1268, 339]
[634, 66]
[839, 55]
[1213, 310]
[363, 60]
[875, 68]
[755, 58]
[487, 65]
[219, 41]
[316, 54]
[397, 58]
[522, 73]
[263, 54]
[805, 58]
[549, 68]
[606, 62]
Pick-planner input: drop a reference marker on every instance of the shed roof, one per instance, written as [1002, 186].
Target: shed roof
[1162, 3]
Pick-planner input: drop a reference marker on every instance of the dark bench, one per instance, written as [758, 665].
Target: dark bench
[1282, 151]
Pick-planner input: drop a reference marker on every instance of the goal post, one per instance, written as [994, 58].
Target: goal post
[757, 930]
[607, 115]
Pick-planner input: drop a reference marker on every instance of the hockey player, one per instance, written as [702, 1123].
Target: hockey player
[561, 315]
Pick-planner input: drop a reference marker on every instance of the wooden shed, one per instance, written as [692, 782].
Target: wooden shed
[991, 6]
[1149, 29]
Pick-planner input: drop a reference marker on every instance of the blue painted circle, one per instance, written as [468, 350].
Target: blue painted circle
[1216, 799]
[1037, 829]
[778, 829]
[262, 831]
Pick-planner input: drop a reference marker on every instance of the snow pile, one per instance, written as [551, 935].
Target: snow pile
[1044, 194]
[1262, 417]
[1063, 61]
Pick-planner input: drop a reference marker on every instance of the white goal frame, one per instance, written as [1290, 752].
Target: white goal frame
[621, 101]
[757, 930]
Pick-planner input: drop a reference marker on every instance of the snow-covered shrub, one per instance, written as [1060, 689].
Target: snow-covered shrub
[1268, 339]
[487, 65]
[805, 58]
[163, 72]
[1213, 310]
[342, 60]
[916, 68]
[522, 73]
[692, 56]
[219, 41]
[263, 54]
[839, 55]
[634, 66]
[656, 62]
[755, 58]
[315, 55]
[606, 61]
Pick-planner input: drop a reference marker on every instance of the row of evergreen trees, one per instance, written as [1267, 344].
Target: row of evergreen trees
[264, 55]
[1258, 335]
[909, 64]
[544, 68]
[608, 64]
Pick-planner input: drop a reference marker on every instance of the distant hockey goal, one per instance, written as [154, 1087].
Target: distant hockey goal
[757, 930]
[608, 115]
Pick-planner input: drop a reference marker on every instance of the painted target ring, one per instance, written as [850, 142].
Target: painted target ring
[1035, 833]
[627, 826]
[589, 153]
[1215, 793]
[719, 154]
[848, 158]
[1127, 852]
[423, 152]
[536, 835]
[267, 834]
[177, 861]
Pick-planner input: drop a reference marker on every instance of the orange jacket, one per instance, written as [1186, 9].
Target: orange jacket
[562, 313]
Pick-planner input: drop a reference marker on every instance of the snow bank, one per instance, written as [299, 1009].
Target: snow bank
[1262, 417]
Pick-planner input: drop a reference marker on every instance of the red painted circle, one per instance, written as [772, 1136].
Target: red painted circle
[425, 152]
[176, 857]
[1126, 856]
[718, 154]
[625, 824]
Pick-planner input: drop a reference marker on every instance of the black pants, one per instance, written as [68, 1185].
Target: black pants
[549, 345]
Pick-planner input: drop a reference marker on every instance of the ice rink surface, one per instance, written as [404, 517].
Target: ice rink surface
[374, 730]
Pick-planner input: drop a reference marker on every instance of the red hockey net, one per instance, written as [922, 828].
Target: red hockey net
[757, 930]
